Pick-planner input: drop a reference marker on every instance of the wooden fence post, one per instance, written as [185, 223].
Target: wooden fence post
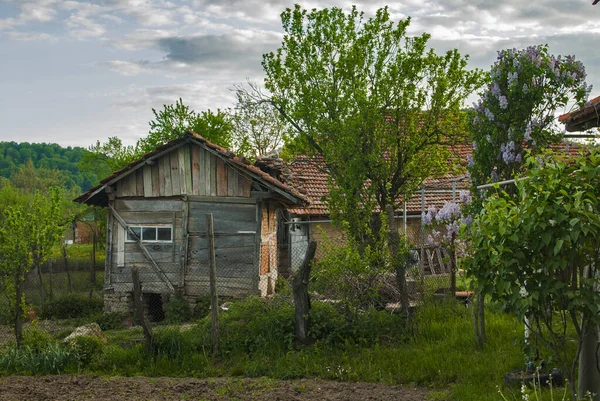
[139, 309]
[301, 297]
[212, 269]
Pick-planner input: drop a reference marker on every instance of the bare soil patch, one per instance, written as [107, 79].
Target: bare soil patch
[82, 387]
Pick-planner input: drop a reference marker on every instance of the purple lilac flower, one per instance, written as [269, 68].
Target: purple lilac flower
[527, 136]
[488, 138]
[465, 196]
[470, 161]
[475, 145]
[468, 220]
[525, 88]
[489, 114]
[449, 212]
[503, 102]
[495, 89]
[512, 77]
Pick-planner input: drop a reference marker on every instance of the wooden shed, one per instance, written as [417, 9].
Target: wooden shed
[157, 208]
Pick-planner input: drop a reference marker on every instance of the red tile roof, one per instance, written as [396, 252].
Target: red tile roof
[584, 118]
[309, 176]
[229, 157]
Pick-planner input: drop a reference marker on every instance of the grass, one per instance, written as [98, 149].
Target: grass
[438, 351]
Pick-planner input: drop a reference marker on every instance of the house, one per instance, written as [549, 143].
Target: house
[583, 118]
[157, 222]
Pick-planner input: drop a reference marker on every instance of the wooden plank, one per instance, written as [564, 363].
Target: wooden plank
[183, 170]
[221, 199]
[247, 186]
[195, 155]
[109, 242]
[147, 276]
[221, 177]
[143, 248]
[202, 171]
[148, 205]
[213, 175]
[239, 187]
[155, 183]
[147, 181]
[139, 182]
[164, 171]
[235, 289]
[214, 299]
[258, 240]
[231, 181]
[185, 243]
[207, 170]
[139, 308]
[120, 246]
[188, 168]
[175, 180]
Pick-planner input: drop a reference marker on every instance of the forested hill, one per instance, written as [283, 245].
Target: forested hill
[52, 162]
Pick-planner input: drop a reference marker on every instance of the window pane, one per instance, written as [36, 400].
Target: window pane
[149, 234]
[137, 231]
[164, 233]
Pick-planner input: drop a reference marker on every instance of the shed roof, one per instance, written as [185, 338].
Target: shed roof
[97, 195]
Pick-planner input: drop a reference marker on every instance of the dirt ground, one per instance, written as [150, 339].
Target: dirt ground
[80, 387]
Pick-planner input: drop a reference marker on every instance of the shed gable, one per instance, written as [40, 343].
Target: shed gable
[188, 169]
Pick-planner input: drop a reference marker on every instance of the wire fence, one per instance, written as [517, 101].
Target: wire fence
[56, 298]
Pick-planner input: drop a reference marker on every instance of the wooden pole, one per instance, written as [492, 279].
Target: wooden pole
[301, 297]
[139, 309]
[214, 299]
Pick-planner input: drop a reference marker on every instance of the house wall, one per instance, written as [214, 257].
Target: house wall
[268, 248]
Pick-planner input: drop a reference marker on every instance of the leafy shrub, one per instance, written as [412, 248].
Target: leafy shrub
[174, 343]
[72, 306]
[111, 321]
[177, 311]
[202, 308]
[87, 348]
[53, 359]
[36, 339]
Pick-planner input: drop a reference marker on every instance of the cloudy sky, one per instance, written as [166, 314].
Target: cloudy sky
[73, 72]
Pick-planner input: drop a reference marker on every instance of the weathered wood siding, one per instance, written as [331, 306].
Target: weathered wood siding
[268, 248]
[235, 232]
[187, 170]
[125, 255]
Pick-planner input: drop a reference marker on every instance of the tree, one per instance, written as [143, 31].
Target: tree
[104, 158]
[376, 104]
[173, 120]
[518, 108]
[539, 256]
[258, 127]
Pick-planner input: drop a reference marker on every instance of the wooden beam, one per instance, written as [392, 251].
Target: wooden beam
[160, 273]
[214, 300]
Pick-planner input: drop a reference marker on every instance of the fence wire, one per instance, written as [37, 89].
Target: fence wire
[55, 293]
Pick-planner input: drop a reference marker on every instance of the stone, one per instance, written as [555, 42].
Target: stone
[89, 330]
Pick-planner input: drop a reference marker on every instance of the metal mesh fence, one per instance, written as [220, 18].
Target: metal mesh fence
[244, 267]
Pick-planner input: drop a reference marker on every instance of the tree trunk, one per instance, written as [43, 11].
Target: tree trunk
[479, 319]
[38, 267]
[301, 297]
[453, 266]
[50, 281]
[18, 302]
[66, 260]
[400, 265]
[93, 266]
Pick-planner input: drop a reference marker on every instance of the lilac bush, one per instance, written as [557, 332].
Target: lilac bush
[517, 109]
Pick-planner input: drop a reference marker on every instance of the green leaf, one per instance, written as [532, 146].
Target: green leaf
[558, 246]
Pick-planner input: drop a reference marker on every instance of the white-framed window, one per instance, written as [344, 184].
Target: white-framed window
[150, 233]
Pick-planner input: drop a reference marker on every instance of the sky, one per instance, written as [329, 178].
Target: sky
[74, 72]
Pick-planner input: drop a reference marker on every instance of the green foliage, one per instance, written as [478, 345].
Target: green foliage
[41, 165]
[72, 306]
[36, 339]
[53, 359]
[177, 311]
[111, 321]
[173, 120]
[351, 276]
[518, 109]
[87, 348]
[533, 256]
[104, 158]
[354, 90]
[173, 343]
